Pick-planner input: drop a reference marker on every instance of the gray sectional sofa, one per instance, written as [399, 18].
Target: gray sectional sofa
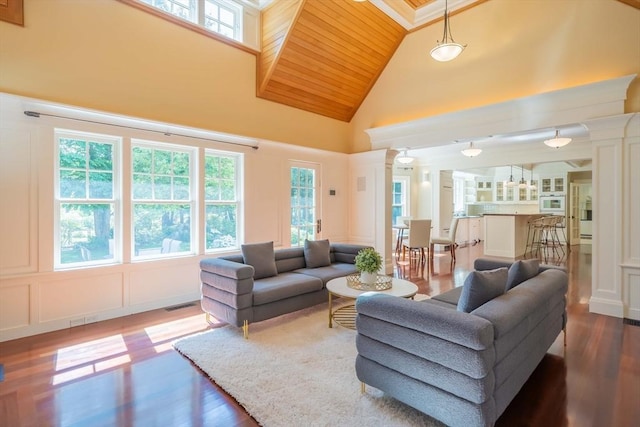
[263, 283]
[462, 356]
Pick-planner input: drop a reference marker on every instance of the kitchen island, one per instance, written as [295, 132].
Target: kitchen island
[505, 235]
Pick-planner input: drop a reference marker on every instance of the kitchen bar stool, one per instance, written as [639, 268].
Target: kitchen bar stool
[535, 233]
[549, 239]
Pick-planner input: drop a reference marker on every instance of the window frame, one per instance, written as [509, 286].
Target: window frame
[115, 200]
[405, 195]
[238, 202]
[192, 201]
[197, 15]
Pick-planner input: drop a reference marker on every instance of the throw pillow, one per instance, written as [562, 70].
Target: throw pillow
[520, 271]
[317, 253]
[262, 258]
[480, 287]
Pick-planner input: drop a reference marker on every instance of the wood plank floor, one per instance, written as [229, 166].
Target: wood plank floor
[124, 372]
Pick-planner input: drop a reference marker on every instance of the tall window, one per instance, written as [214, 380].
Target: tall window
[304, 216]
[222, 190]
[163, 199]
[86, 199]
[220, 16]
[400, 198]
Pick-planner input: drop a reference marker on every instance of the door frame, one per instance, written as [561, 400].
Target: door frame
[317, 168]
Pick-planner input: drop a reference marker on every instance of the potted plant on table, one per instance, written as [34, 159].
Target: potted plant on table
[368, 262]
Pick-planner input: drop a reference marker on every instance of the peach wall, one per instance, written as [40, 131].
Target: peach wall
[515, 49]
[108, 56]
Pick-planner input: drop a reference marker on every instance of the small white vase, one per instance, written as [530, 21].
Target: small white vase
[368, 278]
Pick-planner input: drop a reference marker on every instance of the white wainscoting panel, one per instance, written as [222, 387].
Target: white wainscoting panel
[14, 306]
[164, 282]
[75, 297]
[18, 206]
[631, 282]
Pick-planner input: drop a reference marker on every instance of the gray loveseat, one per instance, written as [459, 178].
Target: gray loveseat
[462, 368]
[263, 283]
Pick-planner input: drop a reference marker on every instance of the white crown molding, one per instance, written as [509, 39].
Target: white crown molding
[569, 106]
[410, 18]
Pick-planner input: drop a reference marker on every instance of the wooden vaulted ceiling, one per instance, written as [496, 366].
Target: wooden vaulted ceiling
[324, 56]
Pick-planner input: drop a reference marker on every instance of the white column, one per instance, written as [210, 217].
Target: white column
[370, 177]
[610, 179]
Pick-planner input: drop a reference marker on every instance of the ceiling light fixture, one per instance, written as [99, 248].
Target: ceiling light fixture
[511, 182]
[522, 183]
[557, 141]
[471, 151]
[404, 158]
[448, 49]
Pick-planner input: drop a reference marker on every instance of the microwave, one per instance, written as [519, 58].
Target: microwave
[552, 204]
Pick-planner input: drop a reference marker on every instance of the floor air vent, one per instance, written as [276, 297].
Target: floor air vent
[632, 322]
[178, 307]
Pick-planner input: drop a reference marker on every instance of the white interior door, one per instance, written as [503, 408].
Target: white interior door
[304, 196]
[574, 217]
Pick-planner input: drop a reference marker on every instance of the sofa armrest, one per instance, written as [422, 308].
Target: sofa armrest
[451, 325]
[226, 276]
[226, 268]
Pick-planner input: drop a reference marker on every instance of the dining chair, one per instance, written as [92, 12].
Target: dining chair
[402, 231]
[450, 240]
[419, 238]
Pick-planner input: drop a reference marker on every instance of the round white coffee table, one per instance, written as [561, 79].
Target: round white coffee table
[346, 315]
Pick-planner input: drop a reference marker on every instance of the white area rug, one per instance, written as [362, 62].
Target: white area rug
[295, 371]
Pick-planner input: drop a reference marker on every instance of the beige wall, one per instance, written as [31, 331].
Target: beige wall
[105, 55]
[515, 49]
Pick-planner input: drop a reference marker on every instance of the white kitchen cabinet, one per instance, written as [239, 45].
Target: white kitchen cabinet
[469, 230]
[484, 189]
[475, 230]
[552, 185]
[462, 232]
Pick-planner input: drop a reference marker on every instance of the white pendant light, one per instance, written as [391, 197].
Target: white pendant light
[471, 151]
[557, 141]
[404, 158]
[448, 49]
[511, 182]
[522, 183]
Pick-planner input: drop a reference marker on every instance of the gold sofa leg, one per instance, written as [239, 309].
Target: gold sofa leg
[362, 387]
[245, 329]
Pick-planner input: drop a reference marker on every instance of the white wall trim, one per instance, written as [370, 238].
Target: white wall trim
[550, 109]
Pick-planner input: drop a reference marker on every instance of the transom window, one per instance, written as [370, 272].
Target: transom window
[220, 16]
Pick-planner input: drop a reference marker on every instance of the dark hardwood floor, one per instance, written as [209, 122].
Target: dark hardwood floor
[124, 372]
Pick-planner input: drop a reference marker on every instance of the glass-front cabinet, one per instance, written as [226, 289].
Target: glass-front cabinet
[500, 193]
[552, 185]
[533, 189]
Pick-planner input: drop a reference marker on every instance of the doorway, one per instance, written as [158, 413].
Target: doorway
[580, 208]
[304, 183]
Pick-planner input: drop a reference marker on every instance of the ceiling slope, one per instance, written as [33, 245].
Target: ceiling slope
[324, 56]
